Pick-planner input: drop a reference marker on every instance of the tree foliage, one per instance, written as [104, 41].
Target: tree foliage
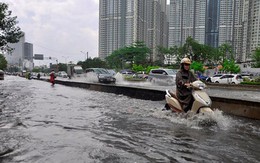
[3, 62]
[93, 63]
[225, 51]
[9, 31]
[137, 68]
[230, 66]
[256, 58]
[197, 66]
[62, 67]
[137, 54]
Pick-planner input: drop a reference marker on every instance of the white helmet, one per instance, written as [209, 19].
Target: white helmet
[186, 60]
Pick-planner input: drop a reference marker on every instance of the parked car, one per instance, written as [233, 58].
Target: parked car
[102, 75]
[214, 78]
[230, 79]
[166, 75]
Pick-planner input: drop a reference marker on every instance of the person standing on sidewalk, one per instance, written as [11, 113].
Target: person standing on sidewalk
[52, 77]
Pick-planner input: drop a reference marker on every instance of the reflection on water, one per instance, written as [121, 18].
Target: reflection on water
[40, 123]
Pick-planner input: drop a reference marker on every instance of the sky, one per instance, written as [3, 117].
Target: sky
[62, 29]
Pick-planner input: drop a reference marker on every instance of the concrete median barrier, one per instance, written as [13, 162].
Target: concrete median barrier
[244, 108]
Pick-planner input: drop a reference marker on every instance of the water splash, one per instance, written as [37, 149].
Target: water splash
[91, 77]
[198, 121]
[153, 82]
[162, 82]
[120, 78]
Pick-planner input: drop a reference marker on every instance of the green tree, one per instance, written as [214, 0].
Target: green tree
[197, 66]
[137, 53]
[115, 60]
[225, 51]
[137, 68]
[3, 62]
[134, 54]
[10, 32]
[256, 58]
[162, 51]
[62, 67]
[36, 70]
[230, 66]
[93, 63]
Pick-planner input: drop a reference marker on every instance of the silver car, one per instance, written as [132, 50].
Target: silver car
[102, 74]
[162, 75]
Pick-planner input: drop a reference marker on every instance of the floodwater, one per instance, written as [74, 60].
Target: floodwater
[41, 123]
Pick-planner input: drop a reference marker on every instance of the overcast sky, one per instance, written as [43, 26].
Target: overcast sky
[59, 28]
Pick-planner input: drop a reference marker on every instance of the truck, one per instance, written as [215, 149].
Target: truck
[73, 70]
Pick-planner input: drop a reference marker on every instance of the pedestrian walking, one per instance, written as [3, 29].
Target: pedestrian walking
[52, 77]
[38, 76]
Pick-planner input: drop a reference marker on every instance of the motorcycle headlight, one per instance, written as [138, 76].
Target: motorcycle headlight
[198, 85]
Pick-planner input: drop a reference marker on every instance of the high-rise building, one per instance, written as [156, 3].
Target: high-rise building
[28, 51]
[212, 23]
[123, 22]
[246, 33]
[21, 56]
[200, 18]
[230, 25]
[28, 55]
[254, 22]
[251, 28]
[16, 56]
[187, 18]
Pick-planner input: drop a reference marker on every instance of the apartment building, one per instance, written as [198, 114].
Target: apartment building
[187, 18]
[123, 22]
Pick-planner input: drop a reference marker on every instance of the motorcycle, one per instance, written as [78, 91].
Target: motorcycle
[201, 104]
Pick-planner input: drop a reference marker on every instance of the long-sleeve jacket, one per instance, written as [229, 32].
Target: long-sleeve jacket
[183, 77]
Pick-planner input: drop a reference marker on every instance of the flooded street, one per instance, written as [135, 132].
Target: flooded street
[41, 123]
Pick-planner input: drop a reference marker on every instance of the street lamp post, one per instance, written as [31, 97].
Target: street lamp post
[86, 53]
[65, 57]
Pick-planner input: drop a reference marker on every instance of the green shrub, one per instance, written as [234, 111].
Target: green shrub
[250, 83]
[257, 79]
[137, 68]
[246, 79]
[151, 67]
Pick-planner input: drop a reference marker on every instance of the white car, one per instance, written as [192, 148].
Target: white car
[230, 79]
[214, 78]
[62, 74]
